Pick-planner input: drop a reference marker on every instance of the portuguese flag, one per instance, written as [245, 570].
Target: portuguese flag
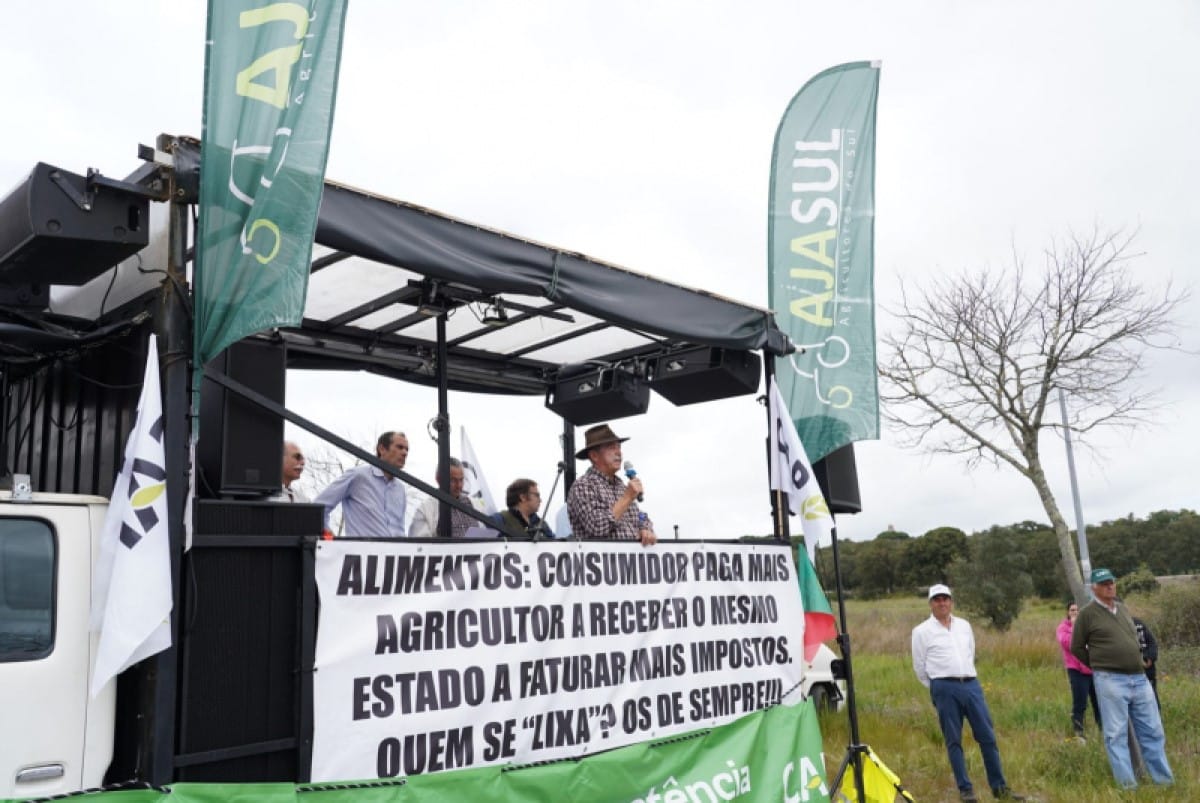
[819, 625]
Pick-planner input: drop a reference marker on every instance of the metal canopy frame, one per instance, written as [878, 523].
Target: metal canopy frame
[412, 294]
[516, 312]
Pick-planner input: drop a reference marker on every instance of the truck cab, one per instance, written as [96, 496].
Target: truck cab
[57, 737]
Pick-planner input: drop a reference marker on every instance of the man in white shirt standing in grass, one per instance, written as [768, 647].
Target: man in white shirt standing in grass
[943, 654]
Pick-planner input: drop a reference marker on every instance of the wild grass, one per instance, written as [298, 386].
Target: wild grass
[1026, 687]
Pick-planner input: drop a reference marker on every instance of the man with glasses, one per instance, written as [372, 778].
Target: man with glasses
[523, 499]
[293, 467]
[1105, 639]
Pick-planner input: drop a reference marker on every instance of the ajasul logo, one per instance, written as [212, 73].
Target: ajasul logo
[144, 493]
[728, 785]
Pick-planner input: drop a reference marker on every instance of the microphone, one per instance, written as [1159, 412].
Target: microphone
[631, 472]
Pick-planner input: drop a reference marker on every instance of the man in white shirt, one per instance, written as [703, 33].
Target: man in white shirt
[293, 467]
[425, 522]
[943, 655]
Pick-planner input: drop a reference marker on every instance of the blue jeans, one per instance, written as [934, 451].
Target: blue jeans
[1081, 690]
[955, 700]
[1124, 699]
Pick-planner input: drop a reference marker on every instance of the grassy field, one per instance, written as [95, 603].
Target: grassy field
[1026, 688]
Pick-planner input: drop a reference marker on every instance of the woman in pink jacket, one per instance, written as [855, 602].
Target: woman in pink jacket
[1079, 675]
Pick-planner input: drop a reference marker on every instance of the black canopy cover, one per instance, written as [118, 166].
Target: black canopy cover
[568, 308]
[517, 313]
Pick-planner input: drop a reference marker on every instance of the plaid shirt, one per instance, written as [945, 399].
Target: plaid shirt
[590, 504]
[425, 522]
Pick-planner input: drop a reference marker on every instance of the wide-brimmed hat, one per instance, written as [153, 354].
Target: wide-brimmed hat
[1101, 576]
[598, 435]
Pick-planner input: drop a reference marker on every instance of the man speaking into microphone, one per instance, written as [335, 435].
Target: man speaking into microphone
[600, 504]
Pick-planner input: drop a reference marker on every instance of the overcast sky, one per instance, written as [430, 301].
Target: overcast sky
[641, 132]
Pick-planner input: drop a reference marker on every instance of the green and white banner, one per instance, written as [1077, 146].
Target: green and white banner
[770, 756]
[822, 254]
[270, 83]
[444, 656]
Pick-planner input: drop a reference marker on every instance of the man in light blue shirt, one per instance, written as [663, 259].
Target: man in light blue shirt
[372, 500]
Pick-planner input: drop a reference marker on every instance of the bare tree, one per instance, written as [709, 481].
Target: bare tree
[323, 465]
[976, 360]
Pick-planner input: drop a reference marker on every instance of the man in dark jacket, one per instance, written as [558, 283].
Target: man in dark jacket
[522, 499]
[1105, 640]
[1149, 655]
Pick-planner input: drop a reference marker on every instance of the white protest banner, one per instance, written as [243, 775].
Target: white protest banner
[444, 656]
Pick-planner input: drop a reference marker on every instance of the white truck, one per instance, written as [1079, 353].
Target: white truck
[55, 736]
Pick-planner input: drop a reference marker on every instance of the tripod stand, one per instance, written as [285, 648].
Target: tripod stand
[859, 756]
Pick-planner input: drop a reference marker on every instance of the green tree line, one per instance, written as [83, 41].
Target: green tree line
[1014, 560]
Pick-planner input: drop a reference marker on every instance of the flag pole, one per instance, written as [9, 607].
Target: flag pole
[176, 339]
[781, 525]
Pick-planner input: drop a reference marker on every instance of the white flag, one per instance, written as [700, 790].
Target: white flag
[792, 474]
[474, 483]
[131, 587]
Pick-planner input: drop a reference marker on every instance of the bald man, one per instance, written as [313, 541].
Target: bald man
[293, 467]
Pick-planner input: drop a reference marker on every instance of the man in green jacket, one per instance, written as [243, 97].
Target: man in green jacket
[523, 498]
[1106, 641]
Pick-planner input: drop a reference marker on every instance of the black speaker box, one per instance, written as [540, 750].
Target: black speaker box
[245, 663]
[592, 396]
[46, 237]
[705, 374]
[240, 450]
[837, 475]
[256, 517]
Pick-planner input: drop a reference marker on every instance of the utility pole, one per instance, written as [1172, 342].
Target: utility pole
[1085, 560]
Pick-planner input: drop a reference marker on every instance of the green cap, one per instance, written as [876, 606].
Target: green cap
[1101, 576]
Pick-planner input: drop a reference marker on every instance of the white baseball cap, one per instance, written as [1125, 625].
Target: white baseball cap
[937, 589]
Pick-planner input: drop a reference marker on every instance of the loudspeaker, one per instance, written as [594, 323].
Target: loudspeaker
[592, 396]
[240, 451]
[837, 475]
[48, 237]
[705, 374]
[245, 692]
